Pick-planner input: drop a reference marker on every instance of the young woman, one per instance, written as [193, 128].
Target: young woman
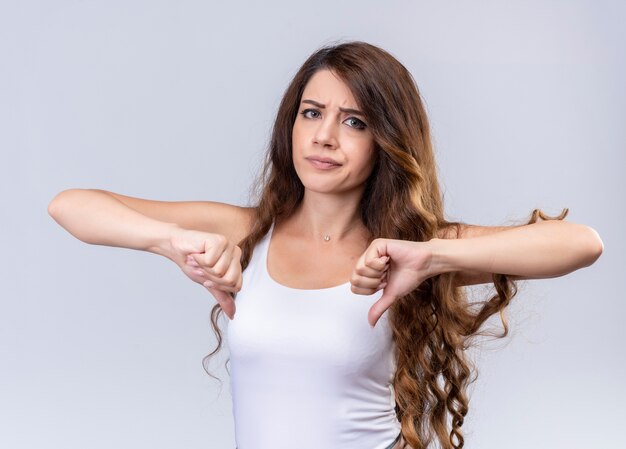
[343, 282]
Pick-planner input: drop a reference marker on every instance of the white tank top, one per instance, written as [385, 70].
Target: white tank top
[307, 369]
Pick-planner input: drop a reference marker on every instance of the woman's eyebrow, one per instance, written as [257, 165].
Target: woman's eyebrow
[348, 110]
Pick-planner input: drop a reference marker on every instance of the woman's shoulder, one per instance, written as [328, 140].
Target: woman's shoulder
[234, 222]
[242, 222]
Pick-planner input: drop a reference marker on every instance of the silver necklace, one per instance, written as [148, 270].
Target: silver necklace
[326, 237]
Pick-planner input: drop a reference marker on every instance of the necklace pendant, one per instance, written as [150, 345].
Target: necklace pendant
[326, 237]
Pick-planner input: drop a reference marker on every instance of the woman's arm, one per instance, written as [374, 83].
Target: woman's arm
[106, 218]
[100, 218]
[539, 250]
[97, 218]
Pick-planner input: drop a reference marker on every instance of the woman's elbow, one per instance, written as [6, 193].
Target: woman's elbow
[595, 246]
[53, 206]
[60, 202]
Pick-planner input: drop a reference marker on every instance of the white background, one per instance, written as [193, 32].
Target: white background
[101, 347]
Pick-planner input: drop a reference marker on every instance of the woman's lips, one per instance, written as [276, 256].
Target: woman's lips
[323, 165]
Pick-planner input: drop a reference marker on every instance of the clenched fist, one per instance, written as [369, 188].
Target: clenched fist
[211, 260]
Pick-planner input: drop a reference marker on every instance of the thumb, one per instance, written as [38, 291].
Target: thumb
[379, 307]
[224, 299]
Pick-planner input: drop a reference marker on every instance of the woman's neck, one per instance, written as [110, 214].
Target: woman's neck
[329, 218]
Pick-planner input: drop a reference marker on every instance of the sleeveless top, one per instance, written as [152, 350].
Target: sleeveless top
[306, 368]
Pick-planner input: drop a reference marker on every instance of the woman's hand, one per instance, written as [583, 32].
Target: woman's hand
[397, 266]
[211, 260]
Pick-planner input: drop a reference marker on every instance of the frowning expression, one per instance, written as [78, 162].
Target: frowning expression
[329, 127]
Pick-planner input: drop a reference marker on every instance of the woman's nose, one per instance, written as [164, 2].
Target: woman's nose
[326, 131]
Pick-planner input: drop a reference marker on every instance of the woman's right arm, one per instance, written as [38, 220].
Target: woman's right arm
[100, 217]
[199, 236]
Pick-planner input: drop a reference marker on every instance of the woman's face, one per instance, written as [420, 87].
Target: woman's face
[329, 125]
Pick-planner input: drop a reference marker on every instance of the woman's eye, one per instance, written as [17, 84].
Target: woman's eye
[355, 122]
[358, 124]
[306, 111]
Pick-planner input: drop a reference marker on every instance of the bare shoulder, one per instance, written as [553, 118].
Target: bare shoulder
[230, 220]
[234, 222]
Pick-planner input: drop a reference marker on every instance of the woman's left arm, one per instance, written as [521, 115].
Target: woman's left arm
[544, 249]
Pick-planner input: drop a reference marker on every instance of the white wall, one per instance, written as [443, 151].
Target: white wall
[101, 347]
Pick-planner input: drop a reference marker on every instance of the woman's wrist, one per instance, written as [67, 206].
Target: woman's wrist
[162, 242]
[443, 258]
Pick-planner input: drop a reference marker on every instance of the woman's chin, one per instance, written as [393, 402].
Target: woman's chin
[320, 188]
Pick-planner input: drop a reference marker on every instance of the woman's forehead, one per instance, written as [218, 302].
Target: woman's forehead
[327, 88]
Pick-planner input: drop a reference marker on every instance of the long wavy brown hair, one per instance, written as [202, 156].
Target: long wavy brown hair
[432, 327]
